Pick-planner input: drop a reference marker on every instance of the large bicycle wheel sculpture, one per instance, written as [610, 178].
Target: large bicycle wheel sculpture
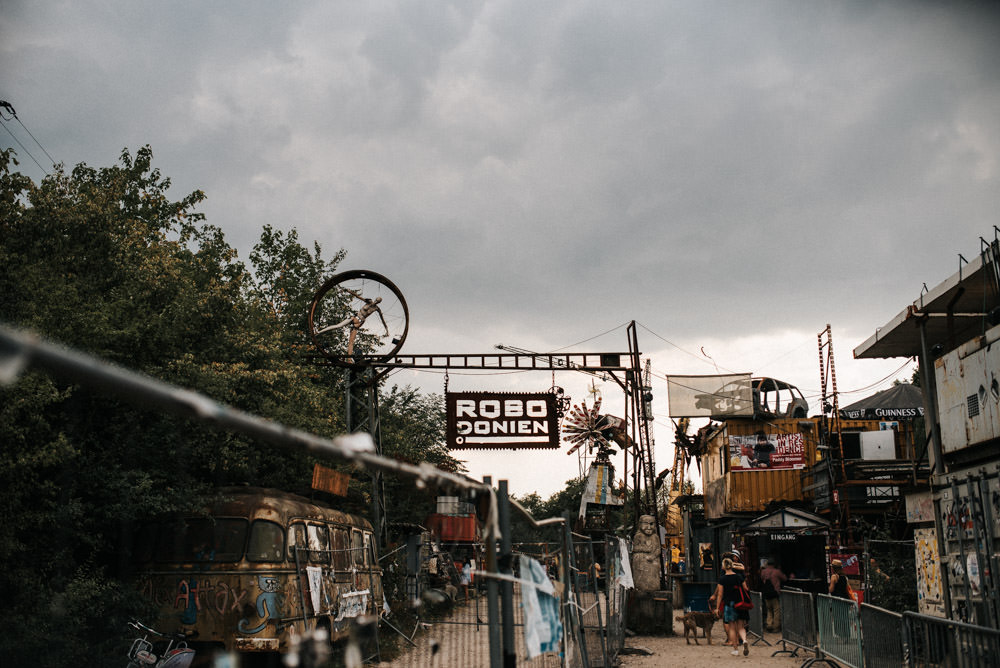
[358, 317]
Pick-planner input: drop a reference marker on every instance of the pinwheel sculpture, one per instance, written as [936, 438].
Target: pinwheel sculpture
[583, 426]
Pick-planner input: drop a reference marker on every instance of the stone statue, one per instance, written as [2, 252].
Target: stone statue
[646, 555]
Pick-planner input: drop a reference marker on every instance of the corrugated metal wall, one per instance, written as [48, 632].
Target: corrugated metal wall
[752, 491]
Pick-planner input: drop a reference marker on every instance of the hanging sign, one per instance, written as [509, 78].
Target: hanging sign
[488, 420]
[330, 480]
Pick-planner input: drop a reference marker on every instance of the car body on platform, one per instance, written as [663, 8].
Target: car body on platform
[765, 398]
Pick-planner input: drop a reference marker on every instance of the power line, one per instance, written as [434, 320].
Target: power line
[686, 352]
[23, 147]
[7, 107]
[596, 336]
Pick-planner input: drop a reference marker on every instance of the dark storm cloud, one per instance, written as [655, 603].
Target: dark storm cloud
[679, 163]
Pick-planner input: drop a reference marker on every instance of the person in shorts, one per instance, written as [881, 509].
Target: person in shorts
[735, 621]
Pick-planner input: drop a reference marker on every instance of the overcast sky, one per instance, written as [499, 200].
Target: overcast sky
[731, 175]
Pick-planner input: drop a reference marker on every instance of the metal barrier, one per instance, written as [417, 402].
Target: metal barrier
[881, 637]
[590, 600]
[932, 641]
[615, 592]
[798, 623]
[756, 627]
[839, 630]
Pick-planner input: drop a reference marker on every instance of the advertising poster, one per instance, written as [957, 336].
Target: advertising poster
[850, 563]
[930, 593]
[763, 451]
[705, 556]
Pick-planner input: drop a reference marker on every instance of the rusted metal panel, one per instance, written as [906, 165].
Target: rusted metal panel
[451, 528]
[326, 479]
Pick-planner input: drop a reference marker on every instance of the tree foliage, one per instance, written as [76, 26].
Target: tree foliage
[102, 260]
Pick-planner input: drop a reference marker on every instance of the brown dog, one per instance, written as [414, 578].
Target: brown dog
[693, 620]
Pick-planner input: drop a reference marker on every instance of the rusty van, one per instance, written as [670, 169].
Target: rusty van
[257, 566]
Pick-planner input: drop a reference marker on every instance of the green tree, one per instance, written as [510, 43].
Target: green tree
[104, 261]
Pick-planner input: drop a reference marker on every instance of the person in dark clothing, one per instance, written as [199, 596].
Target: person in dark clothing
[735, 620]
[840, 589]
[772, 580]
[838, 581]
[762, 451]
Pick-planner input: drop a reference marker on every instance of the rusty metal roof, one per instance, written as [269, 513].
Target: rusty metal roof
[967, 296]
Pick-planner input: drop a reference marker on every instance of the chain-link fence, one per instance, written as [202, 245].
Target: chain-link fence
[498, 602]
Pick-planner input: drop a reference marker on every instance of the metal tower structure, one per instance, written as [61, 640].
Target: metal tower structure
[831, 430]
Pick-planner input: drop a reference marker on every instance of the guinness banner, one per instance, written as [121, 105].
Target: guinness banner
[881, 413]
[487, 420]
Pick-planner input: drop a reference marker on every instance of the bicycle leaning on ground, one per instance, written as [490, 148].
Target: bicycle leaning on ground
[176, 654]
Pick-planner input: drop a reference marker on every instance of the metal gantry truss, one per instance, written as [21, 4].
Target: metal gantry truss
[365, 372]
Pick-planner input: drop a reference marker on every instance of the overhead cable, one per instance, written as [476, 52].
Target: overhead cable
[7, 107]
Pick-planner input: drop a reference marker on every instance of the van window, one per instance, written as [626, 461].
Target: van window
[341, 547]
[267, 542]
[370, 549]
[202, 539]
[144, 542]
[296, 538]
[319, 543]
[357, 548]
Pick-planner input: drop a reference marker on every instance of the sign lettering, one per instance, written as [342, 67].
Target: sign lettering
[482, 420]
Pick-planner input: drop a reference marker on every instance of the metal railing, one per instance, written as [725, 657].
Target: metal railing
[798, 622]
[881, 637]
[932, 641]
[839, 630]
[756, 626]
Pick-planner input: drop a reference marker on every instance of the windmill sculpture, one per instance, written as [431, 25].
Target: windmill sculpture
[585, 427]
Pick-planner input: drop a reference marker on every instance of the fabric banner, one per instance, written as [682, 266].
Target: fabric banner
[625, 577]
[600, 479]
[710, 396]
[542, 628]
[315, 577]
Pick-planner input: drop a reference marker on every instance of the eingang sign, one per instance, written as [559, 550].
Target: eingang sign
[487, 420]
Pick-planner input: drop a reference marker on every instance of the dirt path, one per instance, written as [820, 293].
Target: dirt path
[674, 651]
[463, 642]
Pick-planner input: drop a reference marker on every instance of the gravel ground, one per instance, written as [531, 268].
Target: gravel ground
[461, 642]
[675, 652]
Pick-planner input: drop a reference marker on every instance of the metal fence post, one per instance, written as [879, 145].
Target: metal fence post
[506, 587]
[492, 609]
[573, 608]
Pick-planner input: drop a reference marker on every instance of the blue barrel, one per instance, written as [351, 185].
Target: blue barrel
[696, 595]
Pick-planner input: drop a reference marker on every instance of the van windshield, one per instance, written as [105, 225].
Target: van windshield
[201, 539]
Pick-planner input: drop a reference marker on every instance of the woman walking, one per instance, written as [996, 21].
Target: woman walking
[735, 621]
[840, 588]
[838, 581]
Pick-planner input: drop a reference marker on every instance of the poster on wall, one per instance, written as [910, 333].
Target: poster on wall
[706, 558]
[930, 592]
[762, 451]
[850, 563]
